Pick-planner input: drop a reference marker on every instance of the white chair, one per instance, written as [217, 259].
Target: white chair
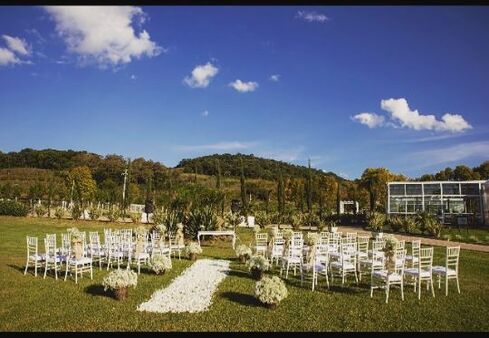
[413, 259]
[52, 258]
[97, 252]
[114, 252]
[423, 272]
[382, 279]
[175, 248]
[277, 250]
[141, 256]
[159, 247]
[65, 244]
[346, 264]
[315, 265]
[292, 256]
[33, 255]
[352, 236]
[78, 266]
[450, 270]
[261, 243]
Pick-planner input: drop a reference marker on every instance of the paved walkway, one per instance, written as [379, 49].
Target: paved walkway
[424, 240]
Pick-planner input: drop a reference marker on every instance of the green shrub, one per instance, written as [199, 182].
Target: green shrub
[135, 216]
[376, 221]
[75, 212]
[59, 213]
[410, 225]
[446, 237]
[473, 239]
[395, 223]
[94, 213]
[40, 210]
[458, 238]
[13, 208]
[200, 219]
[262, 218]
[432, 225]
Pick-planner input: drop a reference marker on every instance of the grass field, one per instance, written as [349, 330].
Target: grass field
[29, 303]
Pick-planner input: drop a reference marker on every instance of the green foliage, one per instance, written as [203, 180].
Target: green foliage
[262, 218]
[113, 214]
[376, 221]
[13, 208]
[431, 224]
[395, 223]
[135, 216]
[169, 217]
[75, 211]
[40, 210]
[200, 219]
[94, 213]
[410, 225]
[59, 212]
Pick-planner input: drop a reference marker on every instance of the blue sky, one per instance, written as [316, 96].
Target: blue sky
[349, 87]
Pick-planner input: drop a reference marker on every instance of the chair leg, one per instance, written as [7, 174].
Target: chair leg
[91, 271]
[446, 285]
[76, 273]
[26, 265]
[387, 293]
[55, 270]
[46, 269]
[35, 268]
[402, 289]
[458, 286]
[66, 271]
[419, 288]
[439, 282]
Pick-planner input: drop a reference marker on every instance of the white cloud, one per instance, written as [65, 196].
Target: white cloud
[7, 57]
[205, 113]
[220, 146]
[244, 87]
[201, 75]
[462, 151]
[275, 77]
[17, 45]
[103, 34]
[371, 120]
[133, 77]
[401, 113]
[312, 16]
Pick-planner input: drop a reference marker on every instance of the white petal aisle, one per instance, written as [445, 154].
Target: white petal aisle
[191, 291]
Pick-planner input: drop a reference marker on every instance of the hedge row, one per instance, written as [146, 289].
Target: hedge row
[13, 208]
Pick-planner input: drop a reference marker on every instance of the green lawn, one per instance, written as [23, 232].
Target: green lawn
[31, 303]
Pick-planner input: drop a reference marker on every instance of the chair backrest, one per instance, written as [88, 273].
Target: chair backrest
[66, 243]
[362, 244]
[279, 234]
[400, 244]
[452, 257]
[50, 246]
[425, 259]
[333, 243]
[400, 259]
[415, 247]
[324, 234]
[347, 252]
[351, 235]
[261, 238]
[31, 245]
[377, 246]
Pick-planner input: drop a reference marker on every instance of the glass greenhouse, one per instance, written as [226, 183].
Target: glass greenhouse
[447, 199]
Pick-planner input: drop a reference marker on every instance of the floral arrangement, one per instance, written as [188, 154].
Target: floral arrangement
[193, 248]
[161, 228]
[243, 250]
[273, 232]
[75, 235]
[160, 263]
[390, 251]
[312, 238]
[140, 231]
[288, 233]
[332, 225]
[120, 278]
[270, 290]
[258, 262]
[256, 228]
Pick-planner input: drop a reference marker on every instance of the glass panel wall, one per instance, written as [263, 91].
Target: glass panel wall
[432, 204]
[470, 189]
[451, 189]
[432, 189]
[397, 189]
[414, 189]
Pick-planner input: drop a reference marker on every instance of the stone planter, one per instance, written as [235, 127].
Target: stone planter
[121, 293]
[192, 256]
[271, 306]
[256, 274]
[333, 229]
[377, 234]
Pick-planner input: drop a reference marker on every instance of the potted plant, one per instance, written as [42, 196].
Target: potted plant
[76, 242]
[243, 252]
[192, 250]
[270, 291]
[333, 226]
[376, 222]
[257, 265]
[119, 281]
[160, 264]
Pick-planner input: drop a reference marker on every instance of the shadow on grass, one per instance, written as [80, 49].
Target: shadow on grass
[241, 298]
[22, 269]
[97, 290]
[238, 273]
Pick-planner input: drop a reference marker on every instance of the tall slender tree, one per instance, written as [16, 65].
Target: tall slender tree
[309, 187]
[218, 185]
[338, 186]
[244, 201]
[280, 193]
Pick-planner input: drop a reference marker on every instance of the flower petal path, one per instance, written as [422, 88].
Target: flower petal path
[191, 291]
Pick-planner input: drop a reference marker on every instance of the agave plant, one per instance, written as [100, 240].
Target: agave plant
[200, 219]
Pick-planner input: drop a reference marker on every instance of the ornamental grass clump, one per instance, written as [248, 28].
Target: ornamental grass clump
[271, 291]
[243, 252]
[118, 281]
[257, 265]
[160, 264]
[192, 250]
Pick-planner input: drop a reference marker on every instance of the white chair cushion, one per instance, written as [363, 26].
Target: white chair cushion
[345, 265]
[38, 257]
[83, 260]
[393, 277]
[142, 255]
[441, 270]
[411, 258]
[414, 272]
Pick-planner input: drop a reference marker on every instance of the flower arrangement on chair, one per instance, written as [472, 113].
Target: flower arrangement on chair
[257, 264]
[193, 249]
[288, 233]
[140, 233]
[390, 252]
[119, 281]
[76, 242]
[271, 291]
[311, 240]
[179, 238]
[243, 252]
[160, 264]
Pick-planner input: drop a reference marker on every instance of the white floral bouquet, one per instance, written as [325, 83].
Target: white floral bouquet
[193, 248]
[243, 250]
[271, 290]
[140, 231]
[258, 262]
[179, 226]
[120, 278]
[160, 263]
[256, 228]
[75, 235]
[390, 251]
[312, 238]
[273, 232]
[288, 233]
[161, 228]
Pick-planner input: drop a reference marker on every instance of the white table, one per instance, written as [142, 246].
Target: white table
[217, 233]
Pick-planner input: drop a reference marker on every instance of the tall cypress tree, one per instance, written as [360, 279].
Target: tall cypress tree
[309, 188]
[218, 184]
[338, 186]
[244, 202]
[280, 193]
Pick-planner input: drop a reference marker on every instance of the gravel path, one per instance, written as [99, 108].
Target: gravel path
[191, 291]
